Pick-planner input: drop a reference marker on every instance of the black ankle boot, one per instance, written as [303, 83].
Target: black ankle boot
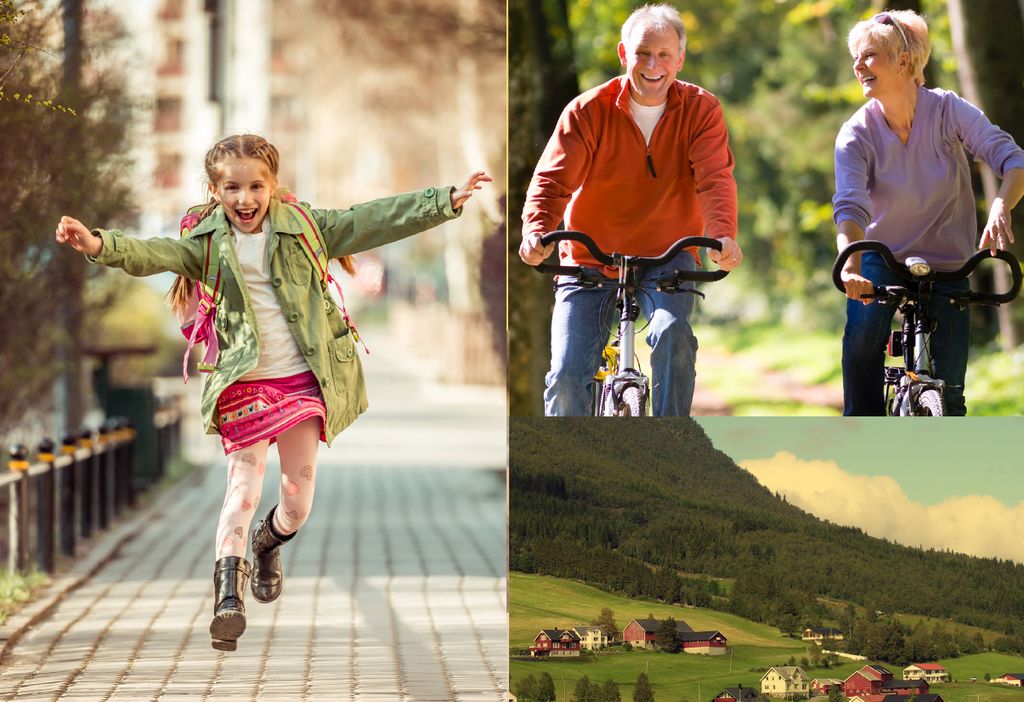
[267, 580]
[228, 623]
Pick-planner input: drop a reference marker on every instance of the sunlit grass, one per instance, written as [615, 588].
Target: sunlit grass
[995, 383]
[17, 588]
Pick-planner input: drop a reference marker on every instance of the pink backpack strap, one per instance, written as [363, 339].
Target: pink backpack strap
[202, 330]
[318, 256]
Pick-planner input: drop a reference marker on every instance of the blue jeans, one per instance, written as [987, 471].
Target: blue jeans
[580, 324]
[867, 332]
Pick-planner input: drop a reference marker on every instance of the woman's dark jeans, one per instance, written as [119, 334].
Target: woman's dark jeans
[867, 332]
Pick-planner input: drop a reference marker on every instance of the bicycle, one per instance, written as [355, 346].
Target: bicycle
[911, 390]
[622, 389]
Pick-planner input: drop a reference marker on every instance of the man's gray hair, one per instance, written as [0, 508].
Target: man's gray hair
[661, 17]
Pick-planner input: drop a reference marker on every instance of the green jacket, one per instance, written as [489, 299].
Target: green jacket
[315, 321]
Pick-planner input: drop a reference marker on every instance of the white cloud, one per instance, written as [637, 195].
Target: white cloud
[974, 524]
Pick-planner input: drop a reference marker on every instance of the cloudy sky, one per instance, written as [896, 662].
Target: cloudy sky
[955, 484]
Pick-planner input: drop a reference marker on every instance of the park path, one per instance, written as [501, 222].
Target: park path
[773, 386]
[395, 587]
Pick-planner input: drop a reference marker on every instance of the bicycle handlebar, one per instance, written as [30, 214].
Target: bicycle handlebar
[639, 261]
[961, 273]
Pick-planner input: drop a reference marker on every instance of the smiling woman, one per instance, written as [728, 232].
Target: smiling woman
[902, 178]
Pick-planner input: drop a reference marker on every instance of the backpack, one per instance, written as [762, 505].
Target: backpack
[197, 320]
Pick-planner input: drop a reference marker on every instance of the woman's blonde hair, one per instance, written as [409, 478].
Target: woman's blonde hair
[235, 146]
[894, 32]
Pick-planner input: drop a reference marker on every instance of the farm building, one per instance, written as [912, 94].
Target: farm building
[555, 642]
[736, 694]
[820, 633]
[591, 637]
[869, 680]
[642, 633]
[784, 681]
[932, 672]
[1012, 679]
[822, 686]
[912, 698]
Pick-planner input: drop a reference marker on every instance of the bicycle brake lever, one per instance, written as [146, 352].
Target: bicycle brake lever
[673, 286]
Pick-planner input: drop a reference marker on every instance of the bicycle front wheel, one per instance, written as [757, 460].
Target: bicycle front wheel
[930, 404]
[632, 402]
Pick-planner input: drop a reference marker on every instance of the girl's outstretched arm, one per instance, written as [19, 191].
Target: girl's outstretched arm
[462, 194]
[110, 247]
[75, 234]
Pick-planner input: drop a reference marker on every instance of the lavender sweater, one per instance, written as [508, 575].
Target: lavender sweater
[916, 197]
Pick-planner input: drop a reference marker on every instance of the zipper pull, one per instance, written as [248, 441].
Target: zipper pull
[650, 165]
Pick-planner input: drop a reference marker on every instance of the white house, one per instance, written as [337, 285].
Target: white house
[784, 681]
[929, 672]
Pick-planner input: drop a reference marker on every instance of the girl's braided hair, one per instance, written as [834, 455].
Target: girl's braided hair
[235, 146]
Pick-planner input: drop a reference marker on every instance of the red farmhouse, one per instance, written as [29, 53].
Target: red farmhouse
[869, 680]
[555, 642]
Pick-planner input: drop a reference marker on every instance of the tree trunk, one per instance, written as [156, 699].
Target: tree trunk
[463, 246]
[542, 80]
[990, 63]
[70, 388]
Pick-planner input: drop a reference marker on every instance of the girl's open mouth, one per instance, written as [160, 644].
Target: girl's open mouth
[246, 216]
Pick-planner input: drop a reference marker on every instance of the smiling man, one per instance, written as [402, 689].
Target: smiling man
[636, 163]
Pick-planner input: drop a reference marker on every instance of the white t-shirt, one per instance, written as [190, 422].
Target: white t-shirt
[646, 117]
[279, 353]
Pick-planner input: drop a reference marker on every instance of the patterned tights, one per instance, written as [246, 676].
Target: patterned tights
[297, 448]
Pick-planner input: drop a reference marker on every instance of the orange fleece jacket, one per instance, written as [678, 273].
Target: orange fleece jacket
[632, 198]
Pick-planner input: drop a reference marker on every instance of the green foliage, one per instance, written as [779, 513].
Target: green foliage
[20, 47]
[17, 588]
[526, 688]
[610, 692]
[57, 166]
[994, 381]
[666, 635]
[545, 688]
[684, 507]
[586, 691]
[607, 623]
[642, 691]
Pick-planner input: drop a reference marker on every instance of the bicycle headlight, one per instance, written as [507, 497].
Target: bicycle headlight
[918, 266]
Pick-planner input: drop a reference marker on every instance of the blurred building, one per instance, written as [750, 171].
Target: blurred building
[198, 70]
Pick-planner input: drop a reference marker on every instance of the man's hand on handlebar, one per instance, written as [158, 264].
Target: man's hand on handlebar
[729, 257]
[531, 250]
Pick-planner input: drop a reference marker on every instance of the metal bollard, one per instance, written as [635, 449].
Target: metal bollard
[103, 485]
[45, 504]
[110, 468]
[18, 461]
[68, 483]
[129, 460]
[116, 460]
[86, 486]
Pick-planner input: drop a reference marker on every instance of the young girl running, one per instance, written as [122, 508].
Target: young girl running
[287, 369]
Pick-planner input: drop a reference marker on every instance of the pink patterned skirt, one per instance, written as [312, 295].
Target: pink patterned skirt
[258, 410]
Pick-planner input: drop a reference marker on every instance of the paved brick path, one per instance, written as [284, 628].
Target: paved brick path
[395, 587]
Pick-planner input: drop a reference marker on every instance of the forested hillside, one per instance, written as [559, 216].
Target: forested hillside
[630, 511]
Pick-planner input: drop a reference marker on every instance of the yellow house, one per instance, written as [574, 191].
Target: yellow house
[591, 637]
[784, 681]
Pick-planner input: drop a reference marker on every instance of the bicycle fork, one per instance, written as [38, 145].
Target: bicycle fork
[617, 375]
[912, 344]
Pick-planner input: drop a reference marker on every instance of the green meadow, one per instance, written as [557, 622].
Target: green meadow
[542, 602]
